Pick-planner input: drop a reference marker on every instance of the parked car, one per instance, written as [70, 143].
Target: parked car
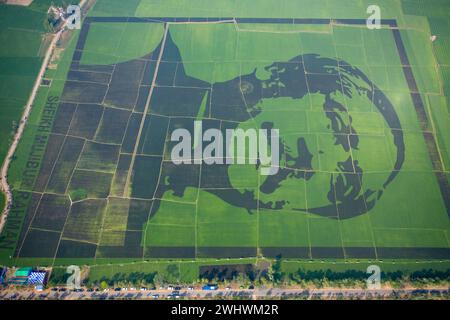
[210, 287]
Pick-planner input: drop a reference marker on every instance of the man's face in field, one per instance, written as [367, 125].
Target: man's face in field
[322, 160]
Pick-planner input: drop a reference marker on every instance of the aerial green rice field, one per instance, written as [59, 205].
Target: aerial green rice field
[363, 118]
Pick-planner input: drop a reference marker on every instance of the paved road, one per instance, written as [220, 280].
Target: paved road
[227, 294]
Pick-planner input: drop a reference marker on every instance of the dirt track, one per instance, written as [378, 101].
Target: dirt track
[19, 2]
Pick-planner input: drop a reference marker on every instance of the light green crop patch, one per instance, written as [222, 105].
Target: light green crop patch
[110, 43]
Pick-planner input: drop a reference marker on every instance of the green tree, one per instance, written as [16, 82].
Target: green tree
[173, 271]
[277, 274]
[103, 285]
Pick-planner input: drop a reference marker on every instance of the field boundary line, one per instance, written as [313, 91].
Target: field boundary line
[44, 230]
[434, 132]
[100, 236]
[305, 261]
[339, 224]
[75, 168]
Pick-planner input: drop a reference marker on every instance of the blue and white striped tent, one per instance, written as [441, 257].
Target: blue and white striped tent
[36, 278]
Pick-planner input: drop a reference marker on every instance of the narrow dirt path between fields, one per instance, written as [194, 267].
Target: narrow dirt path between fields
[19, 2]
